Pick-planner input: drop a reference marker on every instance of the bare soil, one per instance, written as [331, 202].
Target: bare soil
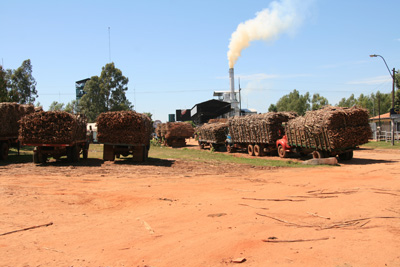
[184, 213]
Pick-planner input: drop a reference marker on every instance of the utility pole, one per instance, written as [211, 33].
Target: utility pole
[391, 119]
[240, 100]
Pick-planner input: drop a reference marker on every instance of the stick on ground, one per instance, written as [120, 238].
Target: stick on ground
[28, 228]
[294, 240]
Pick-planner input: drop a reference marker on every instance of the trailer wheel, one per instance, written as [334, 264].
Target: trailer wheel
[4, 151]
[250, 150]
[145, 154]
[108, 153]
[346, 155]
[258, 150]
[349, 155]
[229, 149]
[282, 152]
[36, 157]
[215, 146]
[85, 153]
[318, 154]
[75, 153]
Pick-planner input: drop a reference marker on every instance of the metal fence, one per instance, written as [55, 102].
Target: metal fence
[386, 136]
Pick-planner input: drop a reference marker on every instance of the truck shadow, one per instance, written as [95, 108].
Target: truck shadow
[357, 161]
[90, 162]
[150, 162]
[15, 159]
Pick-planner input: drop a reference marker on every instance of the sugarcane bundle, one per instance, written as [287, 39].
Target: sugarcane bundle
[337, 127]
[213, 132]
[218, 120]
[124, 127]
[177, 130]
[52, 127]
[10, 114]
[158, 130]
[264, 128]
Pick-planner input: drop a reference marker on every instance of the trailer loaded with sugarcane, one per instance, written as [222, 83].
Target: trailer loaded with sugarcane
[212, 134]
[174, 134]
[257, 134]
[55, 134]
[124, 133]
[328, 132]
[10, 114]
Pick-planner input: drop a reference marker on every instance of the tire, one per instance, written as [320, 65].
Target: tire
[318, 154]
[75, 153]
[349, 155]
[85, 153]
[4, 151]
[35, 157]
[145, 154]
[282, 152]
[215, 146]
[346, 156]
[229, 149]
[69, 154]
[258, 150]
[108, 153]
[250, 150]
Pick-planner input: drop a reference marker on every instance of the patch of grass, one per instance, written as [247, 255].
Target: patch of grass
[95, 151]
[382, 145]
[25, 156]
[207, 156]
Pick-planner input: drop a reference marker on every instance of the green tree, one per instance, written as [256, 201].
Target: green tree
[385, 102]
[105, 93]
[148, 115]
[55, 106]
[294, 102]
[3, 85]
[22, 85]
[272, 108]
[71, 107]
[349, 102]
[318, 101]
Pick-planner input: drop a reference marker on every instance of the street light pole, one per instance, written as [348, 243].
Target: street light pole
[393, 79]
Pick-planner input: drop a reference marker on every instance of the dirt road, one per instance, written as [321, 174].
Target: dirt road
[181, 213]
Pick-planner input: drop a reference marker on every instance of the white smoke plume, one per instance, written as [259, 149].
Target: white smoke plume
[280, 17]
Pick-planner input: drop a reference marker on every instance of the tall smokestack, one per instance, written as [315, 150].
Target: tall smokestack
[232, 83]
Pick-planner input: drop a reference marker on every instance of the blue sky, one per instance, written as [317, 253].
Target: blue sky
[175, 52]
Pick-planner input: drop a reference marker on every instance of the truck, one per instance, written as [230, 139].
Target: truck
[327, 132]
[139, 152]
[124, 133]
[10, 114]
[5, 143]
[55, 134]
[42, 151]
[212, 135]
[257, 134]
[174, 134]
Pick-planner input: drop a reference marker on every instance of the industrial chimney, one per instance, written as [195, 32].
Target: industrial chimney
[232, 84]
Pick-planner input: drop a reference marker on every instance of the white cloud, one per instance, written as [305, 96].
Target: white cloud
[373, 80]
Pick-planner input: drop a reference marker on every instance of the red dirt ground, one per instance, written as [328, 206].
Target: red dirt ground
[182, 213]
